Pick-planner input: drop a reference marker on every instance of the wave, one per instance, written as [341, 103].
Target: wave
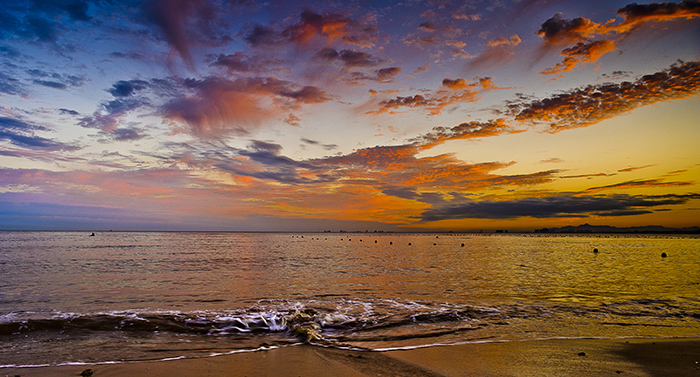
[345, 318]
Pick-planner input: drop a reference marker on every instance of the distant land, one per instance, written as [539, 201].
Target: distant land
[587, 228]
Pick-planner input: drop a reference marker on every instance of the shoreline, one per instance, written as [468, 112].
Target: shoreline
[580, 357]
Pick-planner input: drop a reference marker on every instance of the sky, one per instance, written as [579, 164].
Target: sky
[348, 115]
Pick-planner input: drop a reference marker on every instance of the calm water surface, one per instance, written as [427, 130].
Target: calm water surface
[123, 296]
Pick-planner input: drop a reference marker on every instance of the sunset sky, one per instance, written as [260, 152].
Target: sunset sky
[348, 115]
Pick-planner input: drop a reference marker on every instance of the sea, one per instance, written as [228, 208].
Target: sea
[71, 298]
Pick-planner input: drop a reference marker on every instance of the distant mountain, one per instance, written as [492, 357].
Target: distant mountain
[587, 228]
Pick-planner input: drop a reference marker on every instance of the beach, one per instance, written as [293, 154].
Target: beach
[555, 357]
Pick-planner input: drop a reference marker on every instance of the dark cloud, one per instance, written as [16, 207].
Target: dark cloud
[328, 147]
[55, 80]
[127, 88]
[76, 9]
[126, 134]
[10, 85]
[240, 62]
[427, 26]
[266, 162]
[22, 134]
[50, 84]
[559, 206]
[264, 36]
[636, 13]
[41, 29]
[108, 118]
[184, 23]
[349, 58]
[68, 112]
[639, 183]
[327, 27]
[388, 74]
[591, 104]
[557, 30]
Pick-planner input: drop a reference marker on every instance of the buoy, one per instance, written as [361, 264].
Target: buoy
[664, 255]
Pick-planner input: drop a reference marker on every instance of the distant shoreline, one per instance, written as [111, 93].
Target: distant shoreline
[580, 229]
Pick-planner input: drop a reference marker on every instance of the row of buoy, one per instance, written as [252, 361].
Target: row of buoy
[595, 251]
[391, 242]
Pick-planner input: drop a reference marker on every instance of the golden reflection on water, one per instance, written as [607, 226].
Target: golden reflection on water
[214, 270]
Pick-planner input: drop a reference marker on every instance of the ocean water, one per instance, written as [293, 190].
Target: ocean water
[68, 297]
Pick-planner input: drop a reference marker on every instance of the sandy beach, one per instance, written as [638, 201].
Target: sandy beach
[566, 357]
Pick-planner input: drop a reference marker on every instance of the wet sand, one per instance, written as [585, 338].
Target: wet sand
[567, 357]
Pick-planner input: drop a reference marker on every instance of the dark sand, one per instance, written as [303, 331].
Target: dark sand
[577, 357]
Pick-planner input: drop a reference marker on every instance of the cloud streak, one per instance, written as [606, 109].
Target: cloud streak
[558, 206]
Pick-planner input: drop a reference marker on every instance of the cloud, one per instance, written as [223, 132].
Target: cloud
[558, 31]
[382, 76]
[109, 116]
[514, 40]
[498, 51]
[55, 80]
[126, 88]
[215, 106]
[580, 53]
[264, 161]
[10, 85]
[240, 62]
[467, 130]
[387, 74]
[580, 31]
[349, 58]
[126, 134]
[558, 206]
[292, 120]
[22, 134]
[328, 147]
[594, 103]
[327, 28]
[455, 91]
[637, 14]
[639, 184]
[633, 168]
[175, 18]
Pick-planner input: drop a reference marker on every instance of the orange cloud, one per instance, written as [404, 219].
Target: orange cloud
[456, 91]
[514, 40]
[581, 53]
[330, 27]
[633, 168]
[558, 31]
[594, 103]
[580, 31]
[638, 14]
